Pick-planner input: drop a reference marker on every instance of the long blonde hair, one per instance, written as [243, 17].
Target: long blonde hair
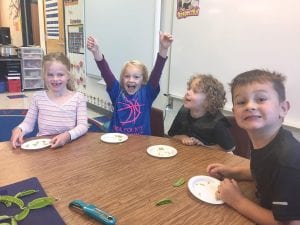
[63, 59]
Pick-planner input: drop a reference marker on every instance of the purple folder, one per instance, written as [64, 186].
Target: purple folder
[45, 216]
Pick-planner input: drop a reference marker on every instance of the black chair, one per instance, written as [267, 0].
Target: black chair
[157, 122]
[241, 138]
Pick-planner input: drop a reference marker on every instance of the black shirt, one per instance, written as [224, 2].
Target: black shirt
[276, 171]
[211, 129]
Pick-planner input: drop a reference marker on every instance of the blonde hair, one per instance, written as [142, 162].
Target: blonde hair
[212, 88]
[137, 64]
[63, 59]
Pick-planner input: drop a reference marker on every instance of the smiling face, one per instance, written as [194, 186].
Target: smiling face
[132, 79]
[257, 108]
[56, 76]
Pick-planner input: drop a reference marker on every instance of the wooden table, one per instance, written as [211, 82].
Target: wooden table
[123, 180]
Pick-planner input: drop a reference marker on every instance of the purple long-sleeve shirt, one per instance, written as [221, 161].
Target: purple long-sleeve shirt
[155, 75]
[131, 113]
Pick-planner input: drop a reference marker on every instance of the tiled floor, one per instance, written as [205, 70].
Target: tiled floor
[23, 103]
[17, 103]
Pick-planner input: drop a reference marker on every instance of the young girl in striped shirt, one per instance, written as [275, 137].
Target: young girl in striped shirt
[60, 111]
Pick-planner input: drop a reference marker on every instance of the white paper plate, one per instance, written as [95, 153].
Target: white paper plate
[36, 144]
[204, 188]
[114, 137]
[161, 151]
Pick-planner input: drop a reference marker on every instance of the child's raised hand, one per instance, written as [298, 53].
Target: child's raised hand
[165, 40]
[92, 44]
[94, 48]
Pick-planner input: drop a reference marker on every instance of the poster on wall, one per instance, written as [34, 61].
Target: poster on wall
[52, 25]
[71, 2]
[186, 8]
[75, 39]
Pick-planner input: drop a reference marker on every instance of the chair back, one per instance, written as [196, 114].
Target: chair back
[241, 138]
[157, 122]
[99, 124]
[9, 119]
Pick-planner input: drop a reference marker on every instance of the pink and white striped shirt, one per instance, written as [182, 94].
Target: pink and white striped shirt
[55, 119]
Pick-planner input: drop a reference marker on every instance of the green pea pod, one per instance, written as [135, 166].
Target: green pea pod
[13, 221]
[22, 214]
[41, 202]
[25, 193]
[6, 203]
[5, 224]
[11, 199]
[179, 182]
[164, 201]
[4, 217]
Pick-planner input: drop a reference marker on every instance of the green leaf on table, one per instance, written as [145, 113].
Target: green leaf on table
[179, 182]
[164, 201]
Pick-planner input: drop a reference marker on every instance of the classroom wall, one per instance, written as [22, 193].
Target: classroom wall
[167, 24]
[42, 24]
[16, 26]
[91, 86]
[162, 101]
[74, 18]
[288, 19]
[11, 17]
[97, 89]
[233, 36]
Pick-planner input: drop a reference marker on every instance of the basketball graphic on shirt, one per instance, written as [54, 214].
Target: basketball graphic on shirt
[133, 109]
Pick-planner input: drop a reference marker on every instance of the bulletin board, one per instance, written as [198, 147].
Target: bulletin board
[124, 30]
[75, 39]
[232, 36]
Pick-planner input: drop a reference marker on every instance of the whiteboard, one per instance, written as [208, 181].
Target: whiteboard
[125, 30]
[233, 36]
